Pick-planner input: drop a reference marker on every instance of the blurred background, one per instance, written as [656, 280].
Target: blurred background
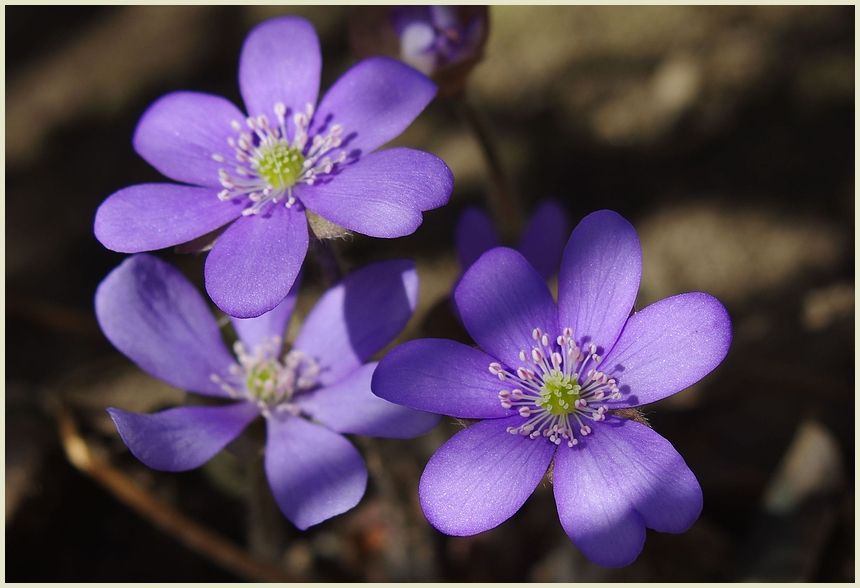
[726, 136]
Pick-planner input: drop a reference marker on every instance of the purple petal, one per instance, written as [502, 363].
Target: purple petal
[256, 261]
[482, 476]
[152, 314]
[669, 346]
[599, 278]
[254, 331]
[153, 216]
[280, 62]
[358, 317]
[183, 438]
[382, 194]
[314, 473]
[440, 376]
[501, 300]
[616, 482]
[181, 131]
[374, 102]
[474, 235]
[350, 407]
[543, 240]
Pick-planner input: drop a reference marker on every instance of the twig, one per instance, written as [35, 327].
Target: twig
[188, 532]
[501, 199]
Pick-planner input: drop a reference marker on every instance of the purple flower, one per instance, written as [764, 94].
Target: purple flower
[541, 243]
[264, 171]
[433, 37]
[545, 386]
[444, 42]
[309, 393]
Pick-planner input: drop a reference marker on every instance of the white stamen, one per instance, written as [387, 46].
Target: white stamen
[255, 141]
[263, 378]
[556, 410]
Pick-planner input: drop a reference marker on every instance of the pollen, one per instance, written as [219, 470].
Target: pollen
[559, 393]
[279, 164]
[269, 378]
[267, 164]
[558, 389]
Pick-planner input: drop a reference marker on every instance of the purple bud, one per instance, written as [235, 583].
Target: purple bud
[444, 42]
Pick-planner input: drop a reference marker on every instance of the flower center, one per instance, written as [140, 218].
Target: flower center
[558, 391]
[279, 164]
[267, 165]
[267, 380]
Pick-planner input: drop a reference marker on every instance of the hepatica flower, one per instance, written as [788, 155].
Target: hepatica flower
[263, 171]
[444, 42]
[541, 243]
[310, 392]
[435, 37]
[544, 385]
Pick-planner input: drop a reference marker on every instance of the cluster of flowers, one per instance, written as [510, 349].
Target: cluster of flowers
[545, 385]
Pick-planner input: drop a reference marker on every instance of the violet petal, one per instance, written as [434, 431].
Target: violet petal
[382, 194]
[668, 346]
[256, 261]
[314, 473]
[280, 63]
[501, 300]
[474, 235]
[152, 314]
[543, 240]
[616, 482]
[257, 330]
[358, 317]
[146, 217]
[183, 438]
[481, 476]
[179, 133]
[441, 376]
[599, 278]
[374, 102]
[348, 406]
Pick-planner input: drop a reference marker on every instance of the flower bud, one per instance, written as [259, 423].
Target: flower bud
[444, 42]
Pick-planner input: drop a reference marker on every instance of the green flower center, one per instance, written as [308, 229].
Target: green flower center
[261, 380]
[559, 393]
[279, 164]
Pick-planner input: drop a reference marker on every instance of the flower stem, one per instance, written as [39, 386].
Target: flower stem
[265, 522]
[328, 260]
[500, 198]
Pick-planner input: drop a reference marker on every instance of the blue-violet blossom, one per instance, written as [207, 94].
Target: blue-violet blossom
[444, 42]
[436, 37]
[261, 172]
[309, 393]
[541, 243]
[545, 385]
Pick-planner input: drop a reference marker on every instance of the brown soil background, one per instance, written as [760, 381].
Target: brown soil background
[725, 134]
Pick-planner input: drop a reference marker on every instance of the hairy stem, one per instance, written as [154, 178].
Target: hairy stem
[500, 198]
[329, 262]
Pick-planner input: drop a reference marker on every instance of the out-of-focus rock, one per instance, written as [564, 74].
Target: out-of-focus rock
[825, 306]
[732, 252]
[799, 509]
[628, 74]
